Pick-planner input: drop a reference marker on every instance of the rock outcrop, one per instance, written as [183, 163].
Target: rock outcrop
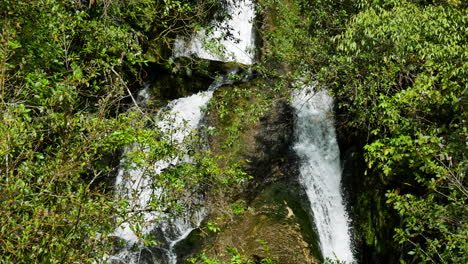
[274, 221]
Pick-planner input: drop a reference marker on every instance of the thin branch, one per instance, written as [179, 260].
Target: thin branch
[128, 90]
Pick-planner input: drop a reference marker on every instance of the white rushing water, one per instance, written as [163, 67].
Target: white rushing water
[232, 40]
[135, 184]
[320, 171]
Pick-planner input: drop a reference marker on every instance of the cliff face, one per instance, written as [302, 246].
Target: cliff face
[274, 226]
[373, 220]
[267, 216]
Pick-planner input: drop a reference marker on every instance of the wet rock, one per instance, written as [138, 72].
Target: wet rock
[275, 222]
[275, 226]
[373, 220]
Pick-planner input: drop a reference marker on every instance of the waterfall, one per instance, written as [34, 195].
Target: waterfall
[320, 171]
[135, 185]
[232, 40]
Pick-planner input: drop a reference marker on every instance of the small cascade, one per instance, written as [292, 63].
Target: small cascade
[320, 171]
[232, 40]
[136, 186]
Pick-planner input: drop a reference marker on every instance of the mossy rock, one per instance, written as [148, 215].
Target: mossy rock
[182, 77]
[274, 225]
[254, 122]
[373, 220]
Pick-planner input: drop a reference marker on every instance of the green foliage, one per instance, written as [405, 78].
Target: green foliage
[240, 109]
[212, 227]
[296, 35]
[239, 207]
[236, 257]
[400, 76]
[398, 71]
[67, 69]
[269, 259]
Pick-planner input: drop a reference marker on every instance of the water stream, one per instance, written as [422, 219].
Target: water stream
[320, 171]
[136, 186]
[232, 40]
[235, 42]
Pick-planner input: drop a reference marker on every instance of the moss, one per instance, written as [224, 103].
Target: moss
[275, 218]
[292, 198]
[253, 122]
[236, 112]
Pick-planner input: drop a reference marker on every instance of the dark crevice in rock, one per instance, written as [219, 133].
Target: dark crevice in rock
[372, 219]
[280, 209]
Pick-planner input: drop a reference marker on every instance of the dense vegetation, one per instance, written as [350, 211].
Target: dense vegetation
[398, 70]
[399, 73]
[68, 75]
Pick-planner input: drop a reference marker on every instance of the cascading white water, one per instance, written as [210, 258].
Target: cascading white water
[185, 115]
[235, 45]
[135, 185]
[320, 171]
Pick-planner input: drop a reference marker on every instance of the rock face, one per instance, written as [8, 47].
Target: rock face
[274, 226]
[272, 221]
[186, 76]
[373, 220]
[270, 155]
